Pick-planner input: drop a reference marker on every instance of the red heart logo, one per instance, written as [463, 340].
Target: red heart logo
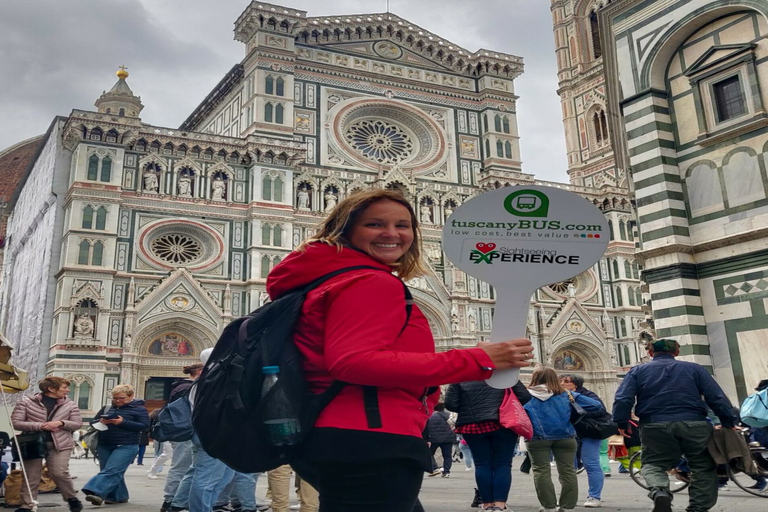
[485, 248]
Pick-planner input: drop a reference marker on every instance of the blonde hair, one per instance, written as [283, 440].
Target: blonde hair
[122, 388]
[549, 378]
[337, 227]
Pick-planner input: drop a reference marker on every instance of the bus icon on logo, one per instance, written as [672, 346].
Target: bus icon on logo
[527, 203]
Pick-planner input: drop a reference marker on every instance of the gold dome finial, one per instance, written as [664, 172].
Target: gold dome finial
[122, 73]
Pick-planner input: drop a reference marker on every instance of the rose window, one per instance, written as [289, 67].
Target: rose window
[177, 249]
[561, 288]
[380, 141]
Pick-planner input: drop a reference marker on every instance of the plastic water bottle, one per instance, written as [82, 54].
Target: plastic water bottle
[282, 428]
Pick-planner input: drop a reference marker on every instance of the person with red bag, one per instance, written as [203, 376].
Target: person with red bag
[492, 445]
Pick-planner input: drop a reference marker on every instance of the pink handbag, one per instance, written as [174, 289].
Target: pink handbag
[513, 416]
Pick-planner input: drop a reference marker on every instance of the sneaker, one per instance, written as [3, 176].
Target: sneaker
[436, 472]
[592, 503]
[176, 509]
[581, 470]
[110, 502]
[165, 506]
[446, 475]
[607, 475]
[75, 505]
[96, 500]
[469, 469]
[623, 470]
[758, 486]
[151, 475]
[723, 487]
[662, 503]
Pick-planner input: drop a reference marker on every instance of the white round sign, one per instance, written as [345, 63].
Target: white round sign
[519, 239]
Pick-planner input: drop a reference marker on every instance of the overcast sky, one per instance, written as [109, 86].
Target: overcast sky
[59, 55]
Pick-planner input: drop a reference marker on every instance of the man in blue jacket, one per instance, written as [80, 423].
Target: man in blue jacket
[673, 422]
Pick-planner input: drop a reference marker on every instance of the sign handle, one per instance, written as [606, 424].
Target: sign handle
[509, 322]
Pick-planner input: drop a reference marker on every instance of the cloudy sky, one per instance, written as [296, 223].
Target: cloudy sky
[59, 55]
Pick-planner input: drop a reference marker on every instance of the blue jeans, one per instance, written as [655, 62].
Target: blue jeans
[467, 452]
[241, 489]
[180, 464]
[109, 483]
[492, 453]
[590, 457]
[210, 477]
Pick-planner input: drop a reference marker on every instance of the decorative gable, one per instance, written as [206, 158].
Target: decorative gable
[719, 54]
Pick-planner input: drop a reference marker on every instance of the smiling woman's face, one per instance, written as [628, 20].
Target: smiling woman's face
[384, 231]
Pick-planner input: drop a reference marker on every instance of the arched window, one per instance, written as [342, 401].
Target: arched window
[616, 269]
[279, 114]
[627, 269]
[497, 123]
[277, 234]
[508, 149]
[87, 217]
[487, 148]
[619, 298]
[485, 122]
[85, 249]
[280, 87]
[269, 86]
[266, 188]
[266, 235]
[610, 228]
[93, 168]
[623, 230]
[600, 127]
[98, 251]
[597, 50]
[84, 396]
[499, 149]
[635, 271]
[278, 189]
[101, 218]
[638, 297]
[268, 112]
[106, 169]
[623, 325]
[265, 266]
[631, 296]
[627, 359]
[505, 123]
[122, 112]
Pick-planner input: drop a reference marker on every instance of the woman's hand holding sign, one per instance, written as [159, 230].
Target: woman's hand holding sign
[517, 353]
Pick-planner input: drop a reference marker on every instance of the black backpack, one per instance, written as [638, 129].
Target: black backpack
[228, 414]
[174, 422]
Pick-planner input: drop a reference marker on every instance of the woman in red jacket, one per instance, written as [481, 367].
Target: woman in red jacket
[366, 452]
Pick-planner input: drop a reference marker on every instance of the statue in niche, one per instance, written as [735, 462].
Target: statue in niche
[218, 189]
[571, 290]
[433, 252]
[185, 186]
[448, 211]
[150, 181]
[127, 342]
[84, 326]
[426, 214]
[330, 200]
[454, 322]
[303, 199]
[472, 317]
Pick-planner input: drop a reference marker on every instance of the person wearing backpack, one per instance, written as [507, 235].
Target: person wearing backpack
[356, 328]
[54, 415]
[180, 451]
[125, 418]
[442, 437]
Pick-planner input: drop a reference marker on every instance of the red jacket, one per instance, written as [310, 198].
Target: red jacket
[350, 331]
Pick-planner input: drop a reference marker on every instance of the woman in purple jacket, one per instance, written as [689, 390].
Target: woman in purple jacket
[56, 416]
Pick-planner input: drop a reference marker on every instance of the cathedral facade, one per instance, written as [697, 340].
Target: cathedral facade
[131, 246]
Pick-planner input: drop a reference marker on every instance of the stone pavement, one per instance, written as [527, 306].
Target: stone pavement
[438, 494]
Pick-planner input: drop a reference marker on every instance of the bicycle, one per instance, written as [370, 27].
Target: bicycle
[745, 482]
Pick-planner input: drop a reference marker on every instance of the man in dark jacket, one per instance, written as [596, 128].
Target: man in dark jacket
[442, 436]
[673, 422]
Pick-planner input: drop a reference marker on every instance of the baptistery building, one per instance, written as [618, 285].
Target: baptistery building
[130, 246]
